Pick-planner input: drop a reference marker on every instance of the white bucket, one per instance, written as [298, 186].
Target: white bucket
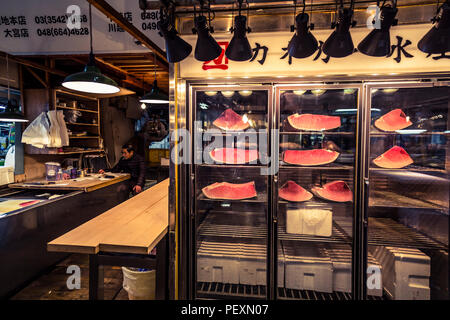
[140, 285]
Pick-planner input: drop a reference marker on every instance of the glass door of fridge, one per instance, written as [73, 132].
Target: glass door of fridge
[316, 183]
[407, 203]
[231, 191]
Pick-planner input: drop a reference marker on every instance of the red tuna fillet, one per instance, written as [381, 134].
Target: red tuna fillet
[337, 191]
[234, 155]
[230, 121]
[314, 122]
[394, 158]
[394, 120]
[293, 192]
[230, 191]
[313, 157]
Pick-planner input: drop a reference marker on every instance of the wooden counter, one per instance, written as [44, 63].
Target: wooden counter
[134, 226]
[86, 184]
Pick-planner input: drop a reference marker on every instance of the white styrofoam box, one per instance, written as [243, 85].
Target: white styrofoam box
[218, 262]
[406, 272]
[310, 221]
[341, 257]
[253, 264]
[6, 175]
[308, 268]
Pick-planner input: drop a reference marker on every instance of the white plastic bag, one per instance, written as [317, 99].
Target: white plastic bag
[38, 132]
[140, 285]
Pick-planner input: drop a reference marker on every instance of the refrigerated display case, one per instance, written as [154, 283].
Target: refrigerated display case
[407, 197]
[285, 200]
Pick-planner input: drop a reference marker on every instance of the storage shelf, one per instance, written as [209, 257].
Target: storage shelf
[382, 134]
[81, 151]
[83, 124]
[207, 229]
[236, 166]
[387, 232]
[81, 110]
[84, 137]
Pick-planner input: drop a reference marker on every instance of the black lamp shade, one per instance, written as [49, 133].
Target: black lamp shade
[437, 40]
[303, 43]
[239, 48]
[12, 114]
[155, 96]
[340, 44]
[207, 48]
[176, 48]
[378, 42]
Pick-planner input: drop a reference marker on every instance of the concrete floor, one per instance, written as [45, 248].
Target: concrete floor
[52, 285]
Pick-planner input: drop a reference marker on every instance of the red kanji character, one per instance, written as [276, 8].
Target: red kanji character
[219, 63]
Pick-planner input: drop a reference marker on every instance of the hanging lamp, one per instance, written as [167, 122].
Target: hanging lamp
[378, 42]
[303, 43]
[206, 48]
[155, 96]
[91, 80]
[12, 113]
[340, 44]
[239, 48]
[437, 40]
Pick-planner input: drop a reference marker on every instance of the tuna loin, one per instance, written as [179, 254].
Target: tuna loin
[394, 158]
[293, 192]
[230, 121]
[313, 157]
[337, 191]
[230, 191]
[394, 120]
[314, 122]
[234, 155]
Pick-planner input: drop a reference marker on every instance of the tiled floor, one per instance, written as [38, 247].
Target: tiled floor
[52, 285]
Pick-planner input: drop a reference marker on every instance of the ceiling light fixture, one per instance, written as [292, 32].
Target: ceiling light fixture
[245, 93]
[176, 48]
[91, 80]
[340, 44]
[12, 113]
[239, 48]
[378, 42]
[437, 40]
[227, 94]
[303, 43]
[207, 48]
[155, 96]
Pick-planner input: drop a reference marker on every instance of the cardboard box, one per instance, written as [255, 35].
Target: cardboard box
[308, 268]
[314, 221]
[218, 262]
[406, 272]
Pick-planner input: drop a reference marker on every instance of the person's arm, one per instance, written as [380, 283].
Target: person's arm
[142, 168]
[118, 167]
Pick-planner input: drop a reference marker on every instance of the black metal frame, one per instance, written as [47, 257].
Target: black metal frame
[158, 262]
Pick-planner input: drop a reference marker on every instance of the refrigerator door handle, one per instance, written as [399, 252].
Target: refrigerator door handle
[366, 202]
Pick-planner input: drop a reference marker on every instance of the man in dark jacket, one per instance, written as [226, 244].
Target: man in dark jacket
[133, 164]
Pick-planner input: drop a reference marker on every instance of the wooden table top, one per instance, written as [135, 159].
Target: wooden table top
[134, 226]
[86, 184]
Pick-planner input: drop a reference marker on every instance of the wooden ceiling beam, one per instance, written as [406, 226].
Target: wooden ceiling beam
[33, 64]
[115, 16]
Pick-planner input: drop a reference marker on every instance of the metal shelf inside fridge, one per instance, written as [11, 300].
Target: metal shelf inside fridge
[394, 200]
[338, 235]
[293, 294]
[260, 198]
[330, 166]
[341, 133]
[217, 290]
[408, 168]
[207, 229]
[388, 232]
[382, 133]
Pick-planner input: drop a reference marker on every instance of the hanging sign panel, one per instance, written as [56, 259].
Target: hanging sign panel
[271, 59]
[62, 27]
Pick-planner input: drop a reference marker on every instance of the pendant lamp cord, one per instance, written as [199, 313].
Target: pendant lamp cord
[7, 73]
[154, 61]
[90, 26]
